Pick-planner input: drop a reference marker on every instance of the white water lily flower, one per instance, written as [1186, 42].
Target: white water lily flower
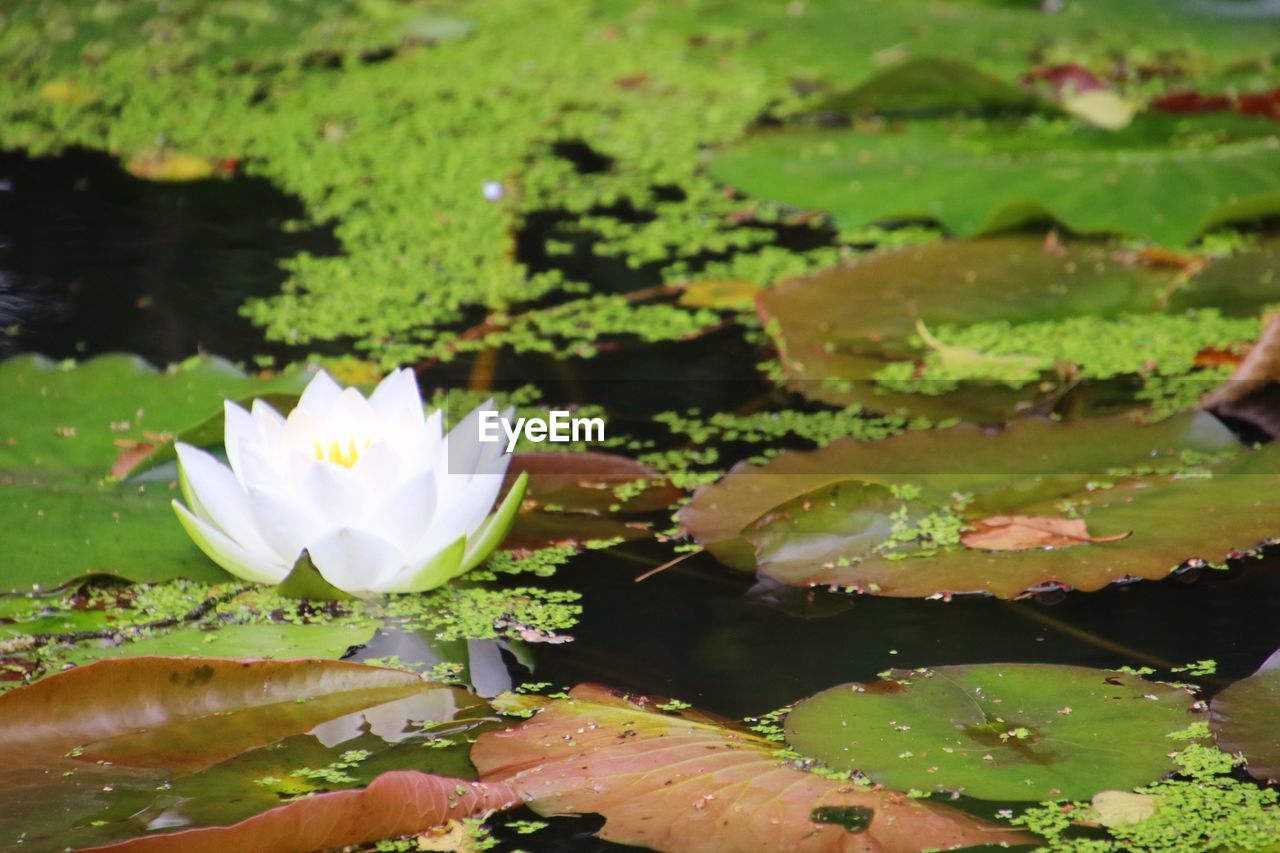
[375, 493]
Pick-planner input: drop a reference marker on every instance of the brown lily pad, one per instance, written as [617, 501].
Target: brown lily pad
[682, 781]
[887, 517]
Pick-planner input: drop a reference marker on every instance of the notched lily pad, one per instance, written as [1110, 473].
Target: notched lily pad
[997, 731]
[1159, 178]
[890, 517]
[1244, 719]
[64, 429]
[685, 781]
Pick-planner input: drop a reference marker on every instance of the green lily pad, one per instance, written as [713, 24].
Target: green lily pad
[1243, 717]
[852, 43]
[887, 517]
[281, 642]
[1162, 178]
[997, 731]
[62, 431]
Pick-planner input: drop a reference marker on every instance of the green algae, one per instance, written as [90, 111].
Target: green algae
[1201, 808]
[1161, 349]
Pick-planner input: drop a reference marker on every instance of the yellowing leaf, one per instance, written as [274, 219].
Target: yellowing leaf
[67, 92]
[1121, 808]
[720, 294]
[157, 165]
[1024, 532]
[1101, 108]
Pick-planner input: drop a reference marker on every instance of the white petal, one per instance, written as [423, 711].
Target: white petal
[463, 445]
[215, 495]
[397, 397]
[336, 495]
[353, 560]
[265, 415]
[228, 554]
[259, 468]
[240, 429]
[404, 517]
[496, 527]
[468, 507]
[351, 415]
[381, 467]
[285, 523]
[428, 572]
[320, 394]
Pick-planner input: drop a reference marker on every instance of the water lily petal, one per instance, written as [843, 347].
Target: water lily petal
[286, 523]
[320, 394]
[352, 560]
[240, 428]
[404, 517]
[396, 398]
[215, 495]
[494, 528]
[351, 415]
[217, 547]
[463, 446]
[382, 467]
[336, 494]
[430, 572]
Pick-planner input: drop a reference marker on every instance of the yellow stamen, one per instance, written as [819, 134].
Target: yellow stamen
[338, 454]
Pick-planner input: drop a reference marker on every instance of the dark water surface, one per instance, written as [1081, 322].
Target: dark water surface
[94, 260]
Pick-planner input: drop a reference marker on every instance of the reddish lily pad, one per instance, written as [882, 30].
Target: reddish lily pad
[187, 713]
[997, 731]
[396, 803]
[887, 517]
[684, 781]
[107, 740]
[1244, 719]
[580, 497]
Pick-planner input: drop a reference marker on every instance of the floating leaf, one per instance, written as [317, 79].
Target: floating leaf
[187, 713]
[1155, 179]
[683, 781]
[723, 295]
[1077, 308]
[1101, 108]
[1123, 808]
[592, 482]
[283, 641]
[851, 42]
[1244, 719]
[997, 731]
[174, 166]
[1024, 532]
[397, 803]
[118, 734]
[62, 433]
[579, 497]
[68, 93]
[888, 516]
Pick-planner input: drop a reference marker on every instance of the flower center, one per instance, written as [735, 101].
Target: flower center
[338, 453]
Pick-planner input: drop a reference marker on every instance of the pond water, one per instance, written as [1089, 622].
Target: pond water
[94, 261]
